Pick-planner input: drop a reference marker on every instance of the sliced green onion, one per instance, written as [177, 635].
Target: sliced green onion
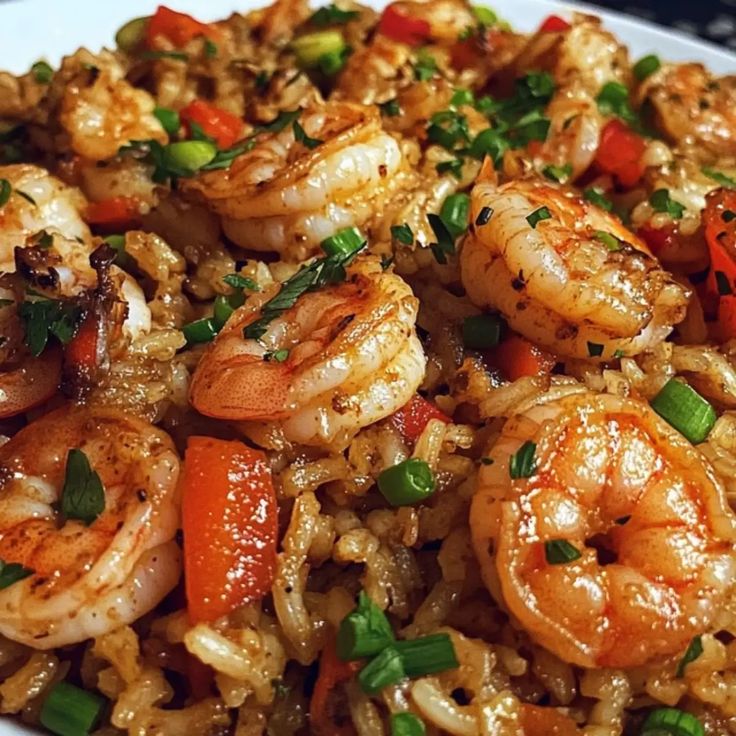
[560, 551]
[70, 711]
[719, 177]
[407, 724]
[312, 46]
[454, 167]
[694, 650]
[224, 306]
[383, 670]
[344, 242]
[448, 128]
[169, 119]
[300, 135]
[407, 483]
[538, 215]
[390, 108]
[662, 202]
[82, 496]
[332, 14]
[481, 331]
[485, 16]
[671, 722]
[645, 66]
[403, 234]
[203, 330]
[427, 655]
[364, 632]
[184, 158]
[130, 36]
[597, 198]
[122, 258]
[613, 99]
[610, 241]
[6, 190]
[333, 62]
[557, 173]
[489, 142]
[12, 572]
[462, 97]
[277, 356]
[425, 66]
[685, 409]
[455, 213]
[523, 461]
[42, 72]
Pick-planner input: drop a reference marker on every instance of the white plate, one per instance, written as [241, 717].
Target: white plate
[34, 29]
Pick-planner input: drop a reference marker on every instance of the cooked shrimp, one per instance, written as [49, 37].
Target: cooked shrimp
[100, 110]
[353, 359]
[694, 109]
[642, 508]
[557, 282]
[447, 19]
[282, 196]
[86, 580]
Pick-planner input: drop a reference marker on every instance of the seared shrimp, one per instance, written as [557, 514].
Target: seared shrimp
[565, 273]
[694, 109]
[86, 580]
[617, 546]
[283, 196]
[353, 359]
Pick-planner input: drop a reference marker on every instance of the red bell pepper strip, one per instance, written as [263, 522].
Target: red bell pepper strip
[403, 28]
[178, 28]
[32, 383]
[219, 124]
[620, 151]
[413, 417]
[229, 519]
[516, 357]
[116, 212]
[719, 218]
[554, 24]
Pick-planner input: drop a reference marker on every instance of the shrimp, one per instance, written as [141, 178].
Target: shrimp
[86, 580]
[353, 358]
[286, 197]
[643, 519]
[693, 109]
[578, 282]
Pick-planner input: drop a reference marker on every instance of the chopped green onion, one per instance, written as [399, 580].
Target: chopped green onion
[82, 496]
[595, 349]
[363, 632]
[560, 551]
[489, 142]
[597, 198]
[538, 215]
[645, 66]
[300, 135]
[332, 62]
[12, 572]
[671, 722]
[462, 97]
[445, 244]
[390, 108]
[485, 16]
[484, 216]
[155, 55]
[344, 242]
[557, 173]
[662, 202]
[407, 724]
[383, 670]
[130, 36]
[523, 462]
[448, 128]
[332, 14]
[407, 483]
[531, 127]
[277, 356]
[312, 46]
[6, 190]
[455, 212]
[224, 306]
[169, 119]
[402, 234]
[185, 158]
[425, 66]
[618, 353]
[454, 167]
[427, 655]
[281, 121]
[481, 331]
[685, 409]
[203, 330]
[610, 241]
[613, 99]
[70, 711]
[719, 177]
[42, 72]
[210, 49]
[694, 650]
[117, 243]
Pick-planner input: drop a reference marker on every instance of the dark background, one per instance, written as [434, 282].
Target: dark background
[714, 20]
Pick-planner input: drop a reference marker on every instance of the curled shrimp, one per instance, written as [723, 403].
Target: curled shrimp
[575, 279]
[353, 359]
[648, 533]
[693, 109]
[86, 580]
[284, 196]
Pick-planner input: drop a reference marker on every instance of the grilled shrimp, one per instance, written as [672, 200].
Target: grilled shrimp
[578, 282]
[353, 359]
[617, 547]
[283, 196]
[694, 109]
[86, 580]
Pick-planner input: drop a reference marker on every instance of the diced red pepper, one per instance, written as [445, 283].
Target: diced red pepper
[215, 122]
[413, 417]
[179, 28]
[554, 24]
[403, 28]
[620, 152]
[516, 357]
[117, 213]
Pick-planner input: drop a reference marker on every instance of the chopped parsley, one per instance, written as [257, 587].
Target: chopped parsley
[662, 202]
[240, 282]
[45, 318]
[82, 496]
